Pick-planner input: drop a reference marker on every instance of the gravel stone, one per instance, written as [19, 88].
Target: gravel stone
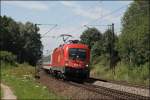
[129, 89]
[72, 92]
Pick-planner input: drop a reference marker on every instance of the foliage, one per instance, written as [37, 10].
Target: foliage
[23, 40]
[97, 50]
[123, 72]
[93, 38]
[90, 36]
[129, 52]
[133, 44]
[7, 57]
[23, 84]
[109, 43]
[105, 48]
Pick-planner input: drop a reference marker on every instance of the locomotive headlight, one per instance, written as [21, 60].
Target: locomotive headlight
[87, 65]
[66, 63]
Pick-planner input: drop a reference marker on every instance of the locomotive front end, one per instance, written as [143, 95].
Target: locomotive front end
[77, 62]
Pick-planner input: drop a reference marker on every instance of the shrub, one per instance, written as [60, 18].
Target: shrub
[123, 72]
[7, 57]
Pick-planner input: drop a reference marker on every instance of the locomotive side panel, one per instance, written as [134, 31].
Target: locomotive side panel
[53, 62]
[58, 58]
[61, 57]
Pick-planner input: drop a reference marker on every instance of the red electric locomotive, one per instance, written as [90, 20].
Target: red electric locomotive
[70, 60]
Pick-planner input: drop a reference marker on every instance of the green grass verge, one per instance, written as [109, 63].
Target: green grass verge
[22, 82]
[131, 74]
[1, 93]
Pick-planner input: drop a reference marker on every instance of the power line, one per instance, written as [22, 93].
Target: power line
[103, 16]
[120, 9]
[49, 29]
[49, 36]
[109, 13]
[97, 25]
[45, 24]
[80, 27]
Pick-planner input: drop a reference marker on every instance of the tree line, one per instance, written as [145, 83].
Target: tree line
[131, 47]
[21, 39]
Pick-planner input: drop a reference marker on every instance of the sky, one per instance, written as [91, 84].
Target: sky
[65, 17]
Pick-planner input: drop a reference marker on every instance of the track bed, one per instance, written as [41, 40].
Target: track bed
[85, 90]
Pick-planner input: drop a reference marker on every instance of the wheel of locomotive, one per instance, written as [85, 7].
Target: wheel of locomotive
[87, 75]
[54, 73]
[61, 76]
[65, 77]
[50, 71]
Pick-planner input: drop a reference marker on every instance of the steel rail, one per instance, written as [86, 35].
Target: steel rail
[92, 79]
[115, 94]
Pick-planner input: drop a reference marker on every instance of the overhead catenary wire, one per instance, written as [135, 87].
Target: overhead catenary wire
[49, 30]
[98, 25]
[101, 17]
[112, 13]
[80, 27]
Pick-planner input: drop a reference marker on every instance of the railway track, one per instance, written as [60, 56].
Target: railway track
[92, 79]
[114, 94]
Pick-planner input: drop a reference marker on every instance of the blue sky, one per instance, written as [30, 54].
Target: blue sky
[70, 16]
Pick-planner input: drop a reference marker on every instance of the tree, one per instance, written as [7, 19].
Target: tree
[133, 44]
[97, 50]
[90, 36]
[23, 40]
[32, 45]
[109, 41]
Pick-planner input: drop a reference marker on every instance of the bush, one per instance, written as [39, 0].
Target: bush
[133, 74]
[7, 57]
[123, 72]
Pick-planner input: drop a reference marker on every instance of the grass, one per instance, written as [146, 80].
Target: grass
[22, 82]
[131, 74]
[1, 93]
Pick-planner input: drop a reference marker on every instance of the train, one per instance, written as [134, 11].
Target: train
[70, 60]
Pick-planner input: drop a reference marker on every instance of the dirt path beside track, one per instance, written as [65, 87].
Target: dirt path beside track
[7, 93]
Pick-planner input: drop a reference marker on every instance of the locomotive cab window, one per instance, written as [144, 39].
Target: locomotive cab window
[77, 54]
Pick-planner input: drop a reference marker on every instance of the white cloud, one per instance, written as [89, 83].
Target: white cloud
[125, 2]
[31, 5]
[68, 3]
[98, 15]
[78, 10]
[93, 13]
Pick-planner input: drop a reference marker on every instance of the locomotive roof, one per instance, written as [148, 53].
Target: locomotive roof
[72, 45]
[75, 45]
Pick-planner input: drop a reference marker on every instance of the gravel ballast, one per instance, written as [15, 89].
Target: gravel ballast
[129, 89]
[66, 90]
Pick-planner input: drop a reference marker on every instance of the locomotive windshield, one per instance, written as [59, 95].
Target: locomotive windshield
[76, 53]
